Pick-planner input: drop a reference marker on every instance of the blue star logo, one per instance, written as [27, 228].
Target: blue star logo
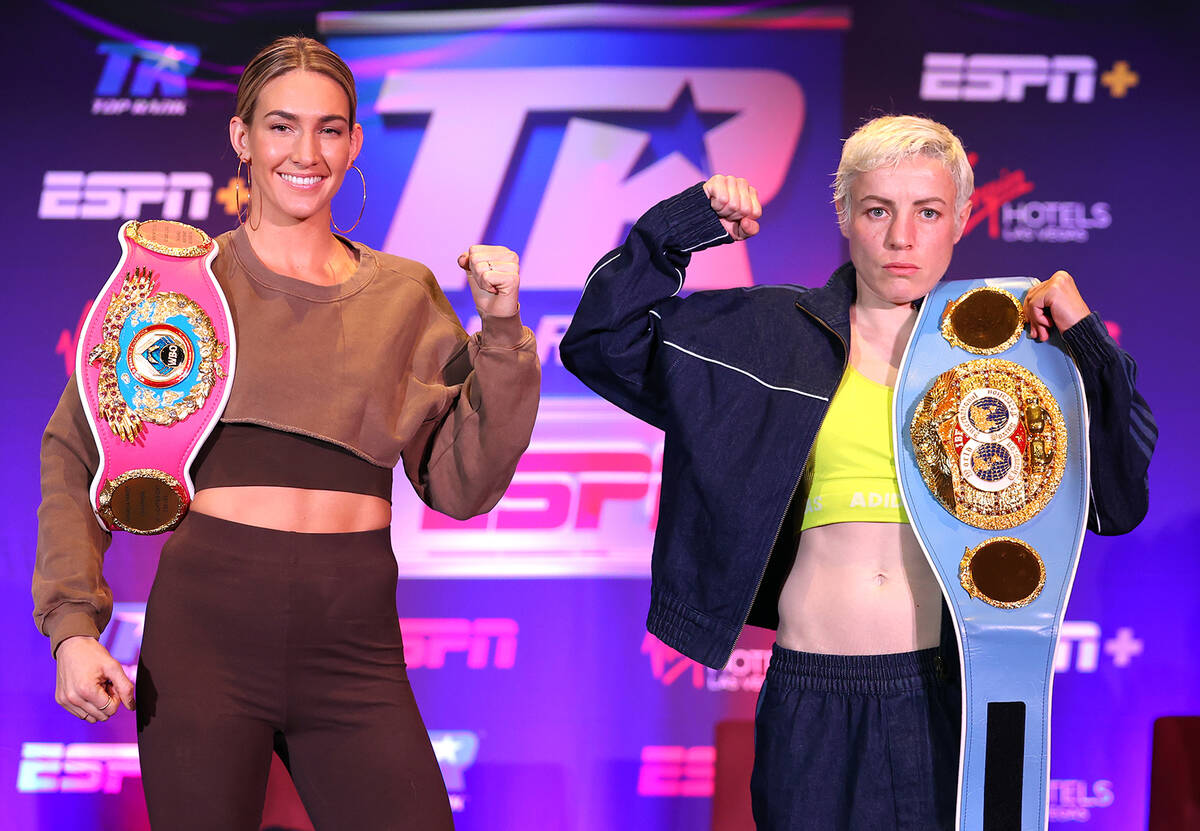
[680, 130]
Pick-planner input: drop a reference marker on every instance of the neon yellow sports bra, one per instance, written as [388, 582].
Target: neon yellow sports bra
[851, 475]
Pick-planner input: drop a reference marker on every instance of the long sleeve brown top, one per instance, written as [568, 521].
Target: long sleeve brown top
[378, 364]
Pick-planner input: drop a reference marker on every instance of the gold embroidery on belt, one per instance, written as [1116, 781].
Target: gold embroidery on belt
[166, 236]
[137, 303]
[990, 442]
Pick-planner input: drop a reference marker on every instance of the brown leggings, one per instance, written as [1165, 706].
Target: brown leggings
[258, 638]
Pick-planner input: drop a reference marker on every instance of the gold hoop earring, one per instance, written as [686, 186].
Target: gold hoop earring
[250, 199]
[237, 191]
[361, 208]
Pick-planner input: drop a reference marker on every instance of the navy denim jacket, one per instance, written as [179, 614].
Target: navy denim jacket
[740, 381]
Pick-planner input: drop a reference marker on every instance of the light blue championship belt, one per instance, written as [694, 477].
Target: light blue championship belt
[990, 435]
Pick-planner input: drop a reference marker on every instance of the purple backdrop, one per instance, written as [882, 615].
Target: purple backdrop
[548, 704]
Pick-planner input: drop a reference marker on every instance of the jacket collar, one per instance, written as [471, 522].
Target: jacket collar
[831, 302]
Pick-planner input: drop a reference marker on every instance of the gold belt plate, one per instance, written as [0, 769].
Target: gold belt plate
[1004, 572]
[984, 320]
[990, 442]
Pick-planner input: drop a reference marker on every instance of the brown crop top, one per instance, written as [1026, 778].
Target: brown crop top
[247, 454]
[377, 366]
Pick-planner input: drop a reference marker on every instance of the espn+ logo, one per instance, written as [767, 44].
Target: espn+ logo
[954, 76]
[82, 767]
[486, 642]
[566, 486]
[116, 194]
[98, 767]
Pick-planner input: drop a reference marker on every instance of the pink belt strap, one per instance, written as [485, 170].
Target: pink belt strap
[154, 368]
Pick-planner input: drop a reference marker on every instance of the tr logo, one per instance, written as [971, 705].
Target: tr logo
[145, 78]
[669, 665]
[596, 187]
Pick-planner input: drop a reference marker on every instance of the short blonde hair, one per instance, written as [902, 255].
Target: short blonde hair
[891, 139]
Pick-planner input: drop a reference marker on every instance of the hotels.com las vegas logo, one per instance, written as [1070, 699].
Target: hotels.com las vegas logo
[996, 204]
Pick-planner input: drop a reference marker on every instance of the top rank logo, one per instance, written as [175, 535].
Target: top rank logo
[144, 78]
[608, 150]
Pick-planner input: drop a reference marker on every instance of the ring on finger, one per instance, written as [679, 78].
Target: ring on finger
[106, 704]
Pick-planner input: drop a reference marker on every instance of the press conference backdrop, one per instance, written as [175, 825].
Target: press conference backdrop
[550, 130]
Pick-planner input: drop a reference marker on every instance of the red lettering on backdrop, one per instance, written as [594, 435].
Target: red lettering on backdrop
[989, 197]
[68, 343]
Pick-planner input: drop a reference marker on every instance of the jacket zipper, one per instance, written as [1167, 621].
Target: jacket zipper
[795, 487]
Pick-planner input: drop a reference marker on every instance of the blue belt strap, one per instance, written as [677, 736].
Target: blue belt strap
[1006, 654]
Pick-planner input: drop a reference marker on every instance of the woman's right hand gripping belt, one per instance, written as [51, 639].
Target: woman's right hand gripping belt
[91, 684]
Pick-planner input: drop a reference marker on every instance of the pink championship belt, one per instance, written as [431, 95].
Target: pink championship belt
[155, 365]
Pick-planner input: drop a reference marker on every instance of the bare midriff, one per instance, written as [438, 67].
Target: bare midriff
[295, 509]
[859, 588]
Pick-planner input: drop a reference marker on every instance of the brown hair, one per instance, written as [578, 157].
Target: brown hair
[285, 55]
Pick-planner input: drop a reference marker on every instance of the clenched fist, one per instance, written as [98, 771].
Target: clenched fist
[736, 204]
[493, 274]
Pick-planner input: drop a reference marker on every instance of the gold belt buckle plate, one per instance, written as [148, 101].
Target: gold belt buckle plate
[990, 443]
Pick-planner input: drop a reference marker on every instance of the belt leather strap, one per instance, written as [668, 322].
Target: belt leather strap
[990, 440]
[154, 370]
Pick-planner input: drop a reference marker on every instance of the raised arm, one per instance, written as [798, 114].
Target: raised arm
[461, 463]
[1121, 428]
[612, 343]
